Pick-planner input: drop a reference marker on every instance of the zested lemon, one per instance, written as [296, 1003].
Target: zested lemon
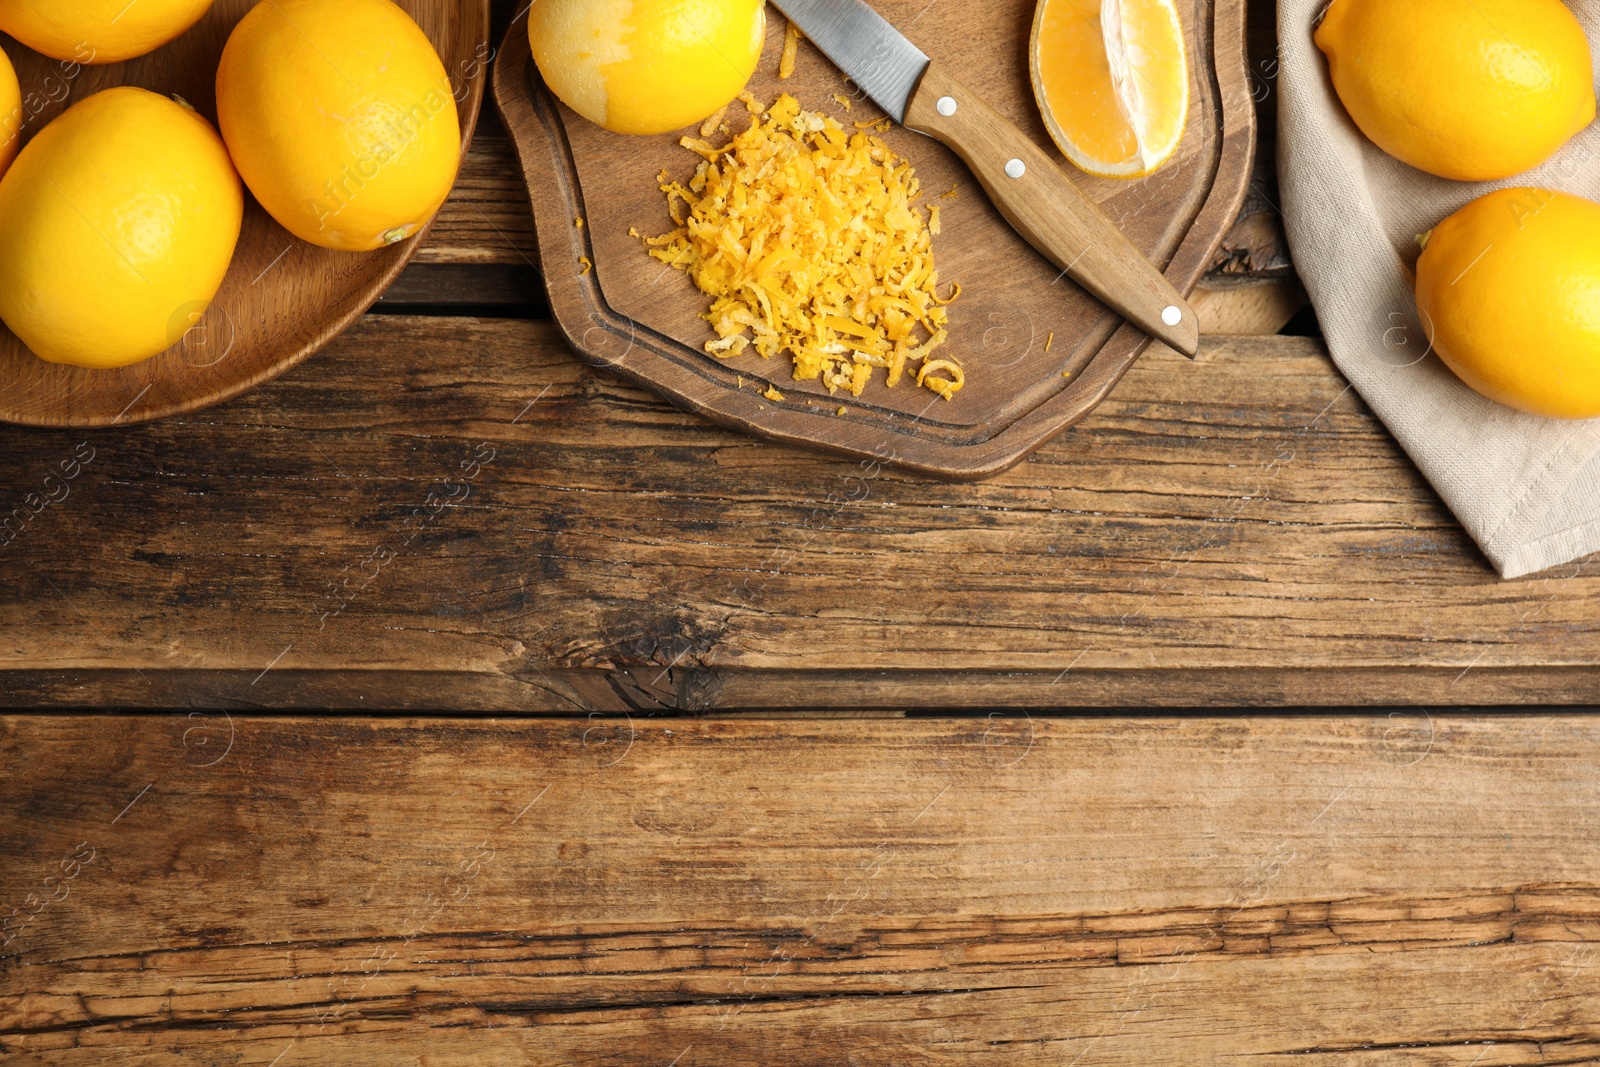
[121, 218]
[1112, 82]
[98, 31]
[1474, 90]
[646, 66]
[1509, 290]
[341, 119]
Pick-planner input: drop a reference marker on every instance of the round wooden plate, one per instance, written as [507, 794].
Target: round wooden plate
[283, 298]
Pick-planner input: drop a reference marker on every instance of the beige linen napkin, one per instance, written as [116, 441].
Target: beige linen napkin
[1527, 489]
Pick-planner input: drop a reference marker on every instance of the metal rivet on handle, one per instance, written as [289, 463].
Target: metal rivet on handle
[1016, 168]
[1171, 315]
[946, 106]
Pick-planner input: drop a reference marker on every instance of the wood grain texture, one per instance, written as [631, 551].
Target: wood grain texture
[487, 220]
[456, 513]
[1040, 353]
[1294, 892]
[282, 299]
[1261, 309]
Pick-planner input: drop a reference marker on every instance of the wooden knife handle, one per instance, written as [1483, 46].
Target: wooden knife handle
[1047, 208]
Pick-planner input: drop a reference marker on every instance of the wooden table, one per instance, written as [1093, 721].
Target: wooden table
[445, 510]
[1309, 891]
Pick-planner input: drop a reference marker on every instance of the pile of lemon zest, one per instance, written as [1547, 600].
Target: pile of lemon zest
[843, 101]
[1048, 341]
[791, 46]
[772, 393]
[587, 265]
[714, 122]
[946, 388]
[803, 236]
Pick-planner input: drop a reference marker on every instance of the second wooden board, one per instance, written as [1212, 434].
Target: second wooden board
[1039, 352]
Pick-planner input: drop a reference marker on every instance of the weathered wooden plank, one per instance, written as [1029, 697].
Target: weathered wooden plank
[1298, 891]
[487, 218]
[1262, 308]
[653, 688]
[461, 497]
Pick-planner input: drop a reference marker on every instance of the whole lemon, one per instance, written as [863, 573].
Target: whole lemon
[10, 112]
[647, 66]
[1473, 91]
[340, 118]
[98, 31]
[1509, 290]
[121, 217]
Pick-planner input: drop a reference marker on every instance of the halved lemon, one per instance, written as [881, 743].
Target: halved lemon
[1112, 82]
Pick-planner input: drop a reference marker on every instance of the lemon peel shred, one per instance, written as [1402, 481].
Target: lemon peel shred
[807, 239]
[713, 122]
[945, 387]
[588, 265]
[882, 125]
[791, 46]
[772, 393]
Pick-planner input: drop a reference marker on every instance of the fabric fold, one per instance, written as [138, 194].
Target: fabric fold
[1527, 489]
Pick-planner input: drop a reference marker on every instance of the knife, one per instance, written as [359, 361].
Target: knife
[1034, 194]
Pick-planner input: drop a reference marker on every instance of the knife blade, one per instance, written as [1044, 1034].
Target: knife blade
[1033, 193]
[865, 46]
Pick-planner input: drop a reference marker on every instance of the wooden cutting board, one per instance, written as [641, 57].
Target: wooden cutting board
[1038, 351]
[282, 299]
